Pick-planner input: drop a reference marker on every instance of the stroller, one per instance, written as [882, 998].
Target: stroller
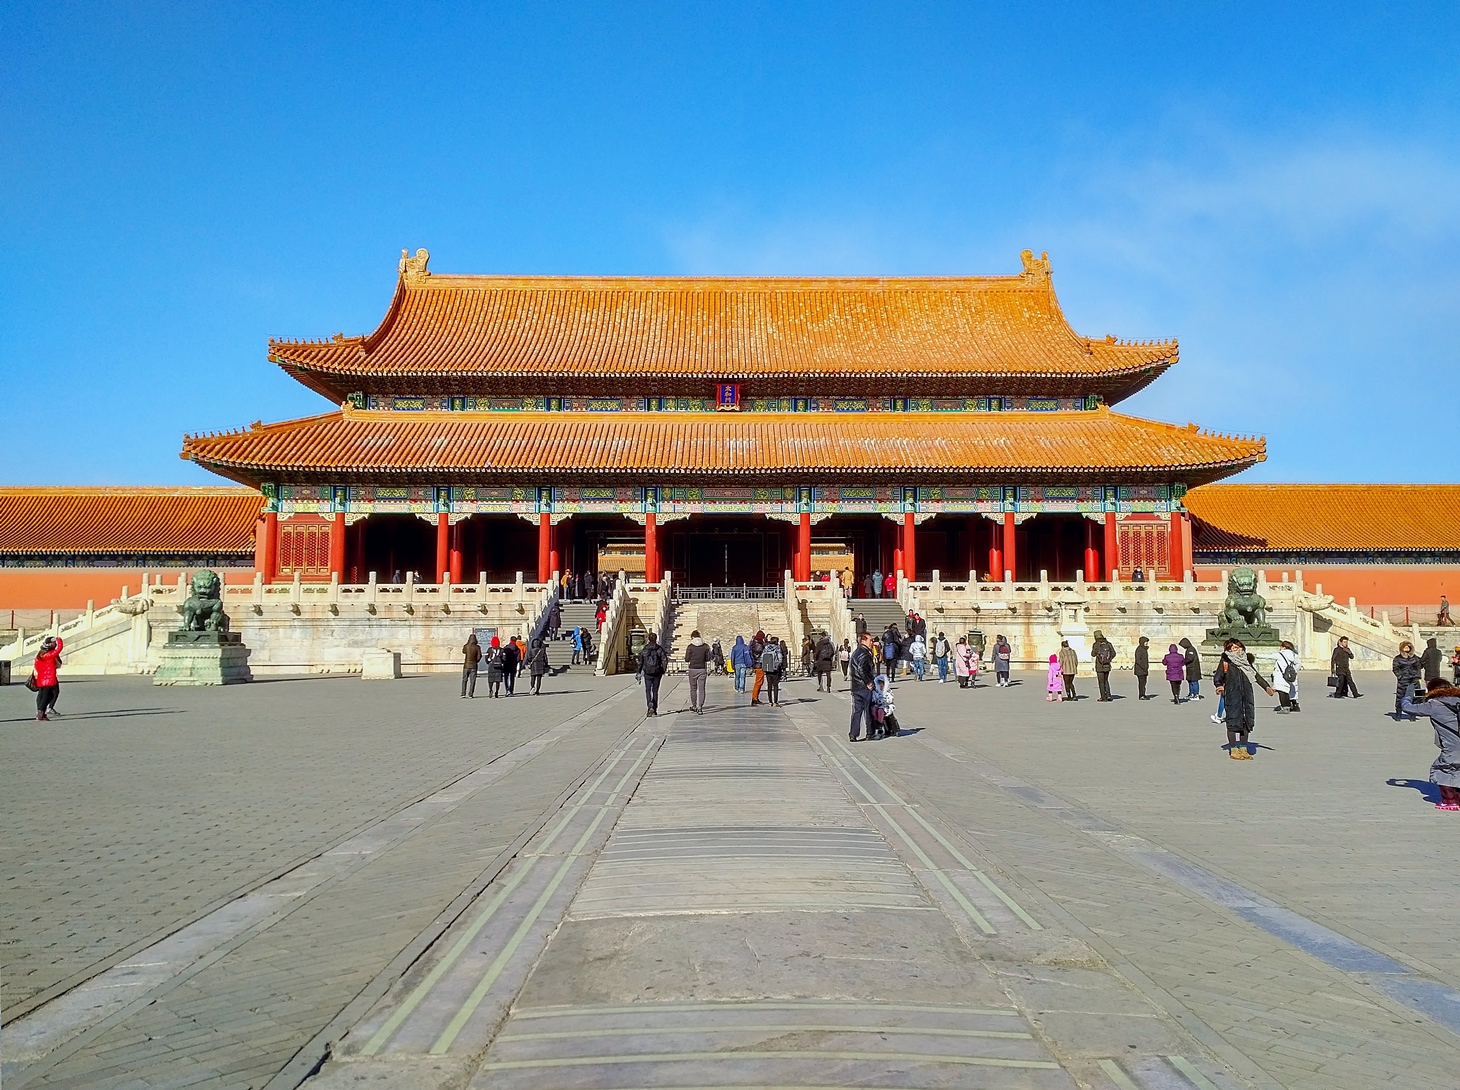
[884, 710]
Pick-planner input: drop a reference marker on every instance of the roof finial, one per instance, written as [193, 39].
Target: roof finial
[1036, 271]
[413, 269]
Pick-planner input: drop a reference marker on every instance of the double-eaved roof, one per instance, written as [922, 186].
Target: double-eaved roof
[921, 336]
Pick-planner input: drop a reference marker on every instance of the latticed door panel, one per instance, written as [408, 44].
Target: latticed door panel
[1144, 545]
[304, 548]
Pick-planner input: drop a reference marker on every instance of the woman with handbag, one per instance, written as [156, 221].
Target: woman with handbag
[47, 687]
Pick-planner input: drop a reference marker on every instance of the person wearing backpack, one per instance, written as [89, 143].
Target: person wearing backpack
[652, 664]
[697, 663]
[1003, 656]
[940, 656]
[773, 664]
[757, 646]
[891, 649]
[493, 658]
[1285, 678]
[1103, 652]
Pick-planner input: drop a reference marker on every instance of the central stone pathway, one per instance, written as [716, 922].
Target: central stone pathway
[737, 900]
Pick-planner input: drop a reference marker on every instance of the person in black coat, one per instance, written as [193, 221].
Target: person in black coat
[1433, 661]
[1407, 668]
[538, 665]
[1193, 670]
[1143, 666]
[511, 659]
[1340, 665]
[1236, 680]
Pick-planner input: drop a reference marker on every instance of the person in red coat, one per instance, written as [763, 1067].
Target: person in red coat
[48, 688]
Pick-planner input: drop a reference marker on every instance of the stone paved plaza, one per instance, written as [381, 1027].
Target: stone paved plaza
[379, 884]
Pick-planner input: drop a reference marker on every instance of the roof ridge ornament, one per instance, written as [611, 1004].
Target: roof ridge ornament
[1036, 270]
[413, 269]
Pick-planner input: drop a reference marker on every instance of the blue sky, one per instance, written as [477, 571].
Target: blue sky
[1277, 185]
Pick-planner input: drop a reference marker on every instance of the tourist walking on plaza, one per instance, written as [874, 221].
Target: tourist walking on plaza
[697, 659]
[773, 662]
[1433, 660]
[1407, 668]
[844, 656]
[493, 657]
[1142, 668]
[1237, 680]
[1054, 687]
[740, 662]
[537, 664]
[717, 657]
[825, 662]
[47, 685]
[1193, 670]
[555, 619]
[577, 645]
[511, 659]
[862, 670]
[1069, 664]
[471, 655]
[1102, 651]
[919, 653]
[1340, 666]
[1285, 678]
[1443, 620]
[940, 656]
[891, 649]
[652, 664]
[1175, 663]
[962, 662]
[1441, 704]
[757, 648]
[1003, 656]
[808, 653]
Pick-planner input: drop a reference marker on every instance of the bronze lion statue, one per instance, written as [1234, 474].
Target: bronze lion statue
[1244, 608]
[203, 610]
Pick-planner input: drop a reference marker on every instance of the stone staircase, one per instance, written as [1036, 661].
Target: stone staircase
[724, 620]
[880, 612]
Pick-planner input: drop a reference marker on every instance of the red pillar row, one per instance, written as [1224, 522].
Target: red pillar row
[651, 549]
[443, 531]
[1112, 549]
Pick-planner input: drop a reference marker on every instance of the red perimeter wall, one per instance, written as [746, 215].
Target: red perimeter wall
[1391, 588]
[71, 588]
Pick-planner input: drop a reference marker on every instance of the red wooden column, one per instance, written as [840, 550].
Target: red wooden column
[544, 547]
[1178, 553]
[1010, 554]
[970, 547]
[651, 549]
[803, 547]
[455, 563]
[910, 544]
[555, 557]
[1112, 548]
[337, 547]
[996, 552]
[443, 536]
[1092, 558]
[270, 561]
[358, 574]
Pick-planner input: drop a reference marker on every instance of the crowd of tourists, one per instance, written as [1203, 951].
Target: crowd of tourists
[504, 661]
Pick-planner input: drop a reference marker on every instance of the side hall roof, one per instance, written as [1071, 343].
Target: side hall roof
[500, 330]
[950, 447]
[1325, 517]
[101, 521]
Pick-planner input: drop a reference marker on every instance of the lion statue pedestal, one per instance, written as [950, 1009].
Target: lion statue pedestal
[1243, 617]
[203, 651]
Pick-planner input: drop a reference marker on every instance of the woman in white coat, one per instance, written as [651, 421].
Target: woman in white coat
[1285, 678]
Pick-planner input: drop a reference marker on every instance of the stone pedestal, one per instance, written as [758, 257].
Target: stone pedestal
[380, 665]
[203, 658]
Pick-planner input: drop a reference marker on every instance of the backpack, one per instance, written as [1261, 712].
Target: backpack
[651, 659]
[1289, 671]
[940, 649]
[770, 658]
[1105, 655]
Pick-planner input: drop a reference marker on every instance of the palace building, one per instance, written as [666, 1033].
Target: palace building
[724, 429]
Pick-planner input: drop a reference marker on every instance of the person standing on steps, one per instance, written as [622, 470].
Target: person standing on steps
[862, 623]
[1175, 663]
[1142, 668]
[877, 583]
[862, 672]
[757, 648]
[652, 664]
[1407, 668]
[1003, 656]
[697, 659]
[1285, 678]
[1237, 680]
[471, 655]
[1341, 667]
[1102, 651]
[1441, 704]
[1193, 670]
[537, 664]
[555, 619]
[1069, 665]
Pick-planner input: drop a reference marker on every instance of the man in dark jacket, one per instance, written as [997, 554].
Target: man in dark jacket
[825, 662]
[1143, 666]
[1407, 668]
[862, 672]
[697, 660]
[1433, 660]
[1340, 666]
[652, 664]
[511, 659]
[1102, 651]
[471, 655]
[861, 625]
[1193, 670]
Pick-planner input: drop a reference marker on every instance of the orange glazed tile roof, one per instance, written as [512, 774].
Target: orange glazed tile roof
[128, 520]
[962, 446]
[1325, 517]
[722, 329]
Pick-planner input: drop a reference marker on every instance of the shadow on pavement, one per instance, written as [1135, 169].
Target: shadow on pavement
[1427, 790]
